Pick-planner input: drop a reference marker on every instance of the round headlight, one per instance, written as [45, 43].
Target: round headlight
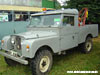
[12, 40]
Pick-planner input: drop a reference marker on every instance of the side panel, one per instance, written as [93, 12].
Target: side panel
[85, 30]
[68, 38]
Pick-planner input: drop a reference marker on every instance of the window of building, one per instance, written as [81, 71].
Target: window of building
[21, 16]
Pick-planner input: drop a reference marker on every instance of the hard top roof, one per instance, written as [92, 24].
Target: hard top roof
[65, 11]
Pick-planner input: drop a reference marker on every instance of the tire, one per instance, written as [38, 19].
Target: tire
[87, 46]
[42, 63]
[10, 62]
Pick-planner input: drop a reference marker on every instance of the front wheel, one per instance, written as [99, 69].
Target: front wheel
[10, 62]
[42, 62]
[87, 46]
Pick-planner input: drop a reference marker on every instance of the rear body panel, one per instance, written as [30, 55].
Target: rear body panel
[86, 30]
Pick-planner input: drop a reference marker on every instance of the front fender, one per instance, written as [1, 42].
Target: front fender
[24, 43]
[52, 42]
[35, 44]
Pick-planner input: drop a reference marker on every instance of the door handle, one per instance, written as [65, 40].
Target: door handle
[73, 37]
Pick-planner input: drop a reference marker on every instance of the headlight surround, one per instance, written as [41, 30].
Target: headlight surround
[16, 42]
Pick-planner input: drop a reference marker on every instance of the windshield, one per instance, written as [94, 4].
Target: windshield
[45, 20]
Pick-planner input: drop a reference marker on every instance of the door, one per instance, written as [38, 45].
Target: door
[68, 33]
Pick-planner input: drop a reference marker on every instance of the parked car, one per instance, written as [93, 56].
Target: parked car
[48, 33]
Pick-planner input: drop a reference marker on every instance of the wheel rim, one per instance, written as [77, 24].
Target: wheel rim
[44, 64]
[88, 46]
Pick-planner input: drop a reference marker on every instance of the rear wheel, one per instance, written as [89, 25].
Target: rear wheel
[42, 62]
[87, 46]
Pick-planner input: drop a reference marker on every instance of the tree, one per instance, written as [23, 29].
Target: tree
[92, 5]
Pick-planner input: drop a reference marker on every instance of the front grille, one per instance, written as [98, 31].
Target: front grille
[16, 42]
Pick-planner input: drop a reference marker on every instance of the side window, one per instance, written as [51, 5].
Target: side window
[68, 20]
[18, 17]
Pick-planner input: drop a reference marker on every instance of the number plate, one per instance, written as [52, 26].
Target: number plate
[13, 53]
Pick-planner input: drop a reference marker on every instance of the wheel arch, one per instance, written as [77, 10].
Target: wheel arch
[89, 35]
[44, 46]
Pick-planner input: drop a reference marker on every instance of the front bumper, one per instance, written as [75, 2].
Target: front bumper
[17, 59]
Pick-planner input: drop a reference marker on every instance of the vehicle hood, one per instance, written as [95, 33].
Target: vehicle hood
[36, 34]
